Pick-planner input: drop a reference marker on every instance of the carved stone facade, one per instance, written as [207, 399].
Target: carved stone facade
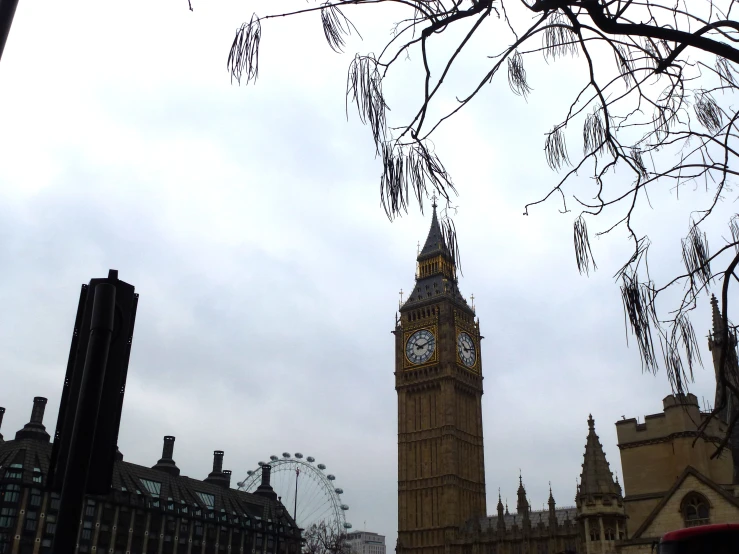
[441, 473]
[438, 378]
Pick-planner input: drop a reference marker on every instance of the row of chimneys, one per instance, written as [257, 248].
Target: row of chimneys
[35, 429]
[218, 476]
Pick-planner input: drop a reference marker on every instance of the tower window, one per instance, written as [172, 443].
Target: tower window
[695, 509]
[595, 534]
[610, 535]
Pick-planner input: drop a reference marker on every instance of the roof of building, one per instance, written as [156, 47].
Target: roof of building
[441, 283]
[596, 477]
[535, 516]
[688, 471]
[435, 242]
[32, 456]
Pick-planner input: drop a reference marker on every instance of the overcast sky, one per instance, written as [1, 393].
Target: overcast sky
[249, 220]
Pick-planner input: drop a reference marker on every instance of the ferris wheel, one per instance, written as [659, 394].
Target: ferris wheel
[308, 493]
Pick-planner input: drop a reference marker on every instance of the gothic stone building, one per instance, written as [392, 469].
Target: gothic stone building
[668, 482]
[150, 510]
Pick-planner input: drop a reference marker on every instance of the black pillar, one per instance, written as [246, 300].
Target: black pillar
[76, 471]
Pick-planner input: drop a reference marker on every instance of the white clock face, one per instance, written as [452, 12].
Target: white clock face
[420, 346]
[466, 349]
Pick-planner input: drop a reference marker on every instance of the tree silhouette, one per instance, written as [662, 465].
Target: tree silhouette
[319, 538]
[655, 109]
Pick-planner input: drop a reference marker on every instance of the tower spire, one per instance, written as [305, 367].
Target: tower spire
[501, 514]
[436, 270]
[522, 505]
[596, 478]
[717, 320]
[723, 395]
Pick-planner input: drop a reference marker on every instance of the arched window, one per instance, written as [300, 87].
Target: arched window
[695, 510]
[595, 534]
[610, 534]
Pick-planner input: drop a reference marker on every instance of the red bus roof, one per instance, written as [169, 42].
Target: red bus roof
[682, 534]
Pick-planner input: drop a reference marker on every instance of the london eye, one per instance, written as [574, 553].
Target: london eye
[307, 491]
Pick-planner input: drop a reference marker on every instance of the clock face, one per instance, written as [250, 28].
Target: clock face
[420, 346]
[466, 349]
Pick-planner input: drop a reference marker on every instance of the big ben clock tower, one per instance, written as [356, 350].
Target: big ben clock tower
[438, 377]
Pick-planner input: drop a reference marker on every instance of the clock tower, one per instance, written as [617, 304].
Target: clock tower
[438, 378]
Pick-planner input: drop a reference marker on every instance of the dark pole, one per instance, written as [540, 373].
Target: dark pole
[295, 509]
[7, 11]
[85, 421]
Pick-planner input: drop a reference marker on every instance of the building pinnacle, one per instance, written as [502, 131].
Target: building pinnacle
[596, 475]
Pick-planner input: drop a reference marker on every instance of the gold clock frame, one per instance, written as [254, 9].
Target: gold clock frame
[474, 368]
[407, 364]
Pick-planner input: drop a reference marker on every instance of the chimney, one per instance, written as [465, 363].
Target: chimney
[166, 463]
[227, 473]
[2, 412]
[35, 429]
[265, 489]
[39, 406]
[217, 476]
[217, 461]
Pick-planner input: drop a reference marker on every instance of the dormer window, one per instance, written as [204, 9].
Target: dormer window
[207, 499]
[152, 487]
[15, 471]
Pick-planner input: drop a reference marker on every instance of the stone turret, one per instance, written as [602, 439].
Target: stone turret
[552, 512]
[522, 505]
[501, 516]
[731, 404]
[599, 502]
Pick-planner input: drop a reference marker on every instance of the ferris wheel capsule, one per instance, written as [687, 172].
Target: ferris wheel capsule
[344, 507]
[330, 477]
[273, 458]
[311, 459]
[298, 455]
[321, 466]
[339, 491]
[347, 525]
[260, 464]
[285, 454]
[250, 472]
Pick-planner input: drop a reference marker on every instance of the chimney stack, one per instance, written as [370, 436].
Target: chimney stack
[217, 461]
[39, 406]
[35, 429]
[227, 473]
[217, 476]
[265, 489]
[167, 464]
[168, 448]
[2, 412]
